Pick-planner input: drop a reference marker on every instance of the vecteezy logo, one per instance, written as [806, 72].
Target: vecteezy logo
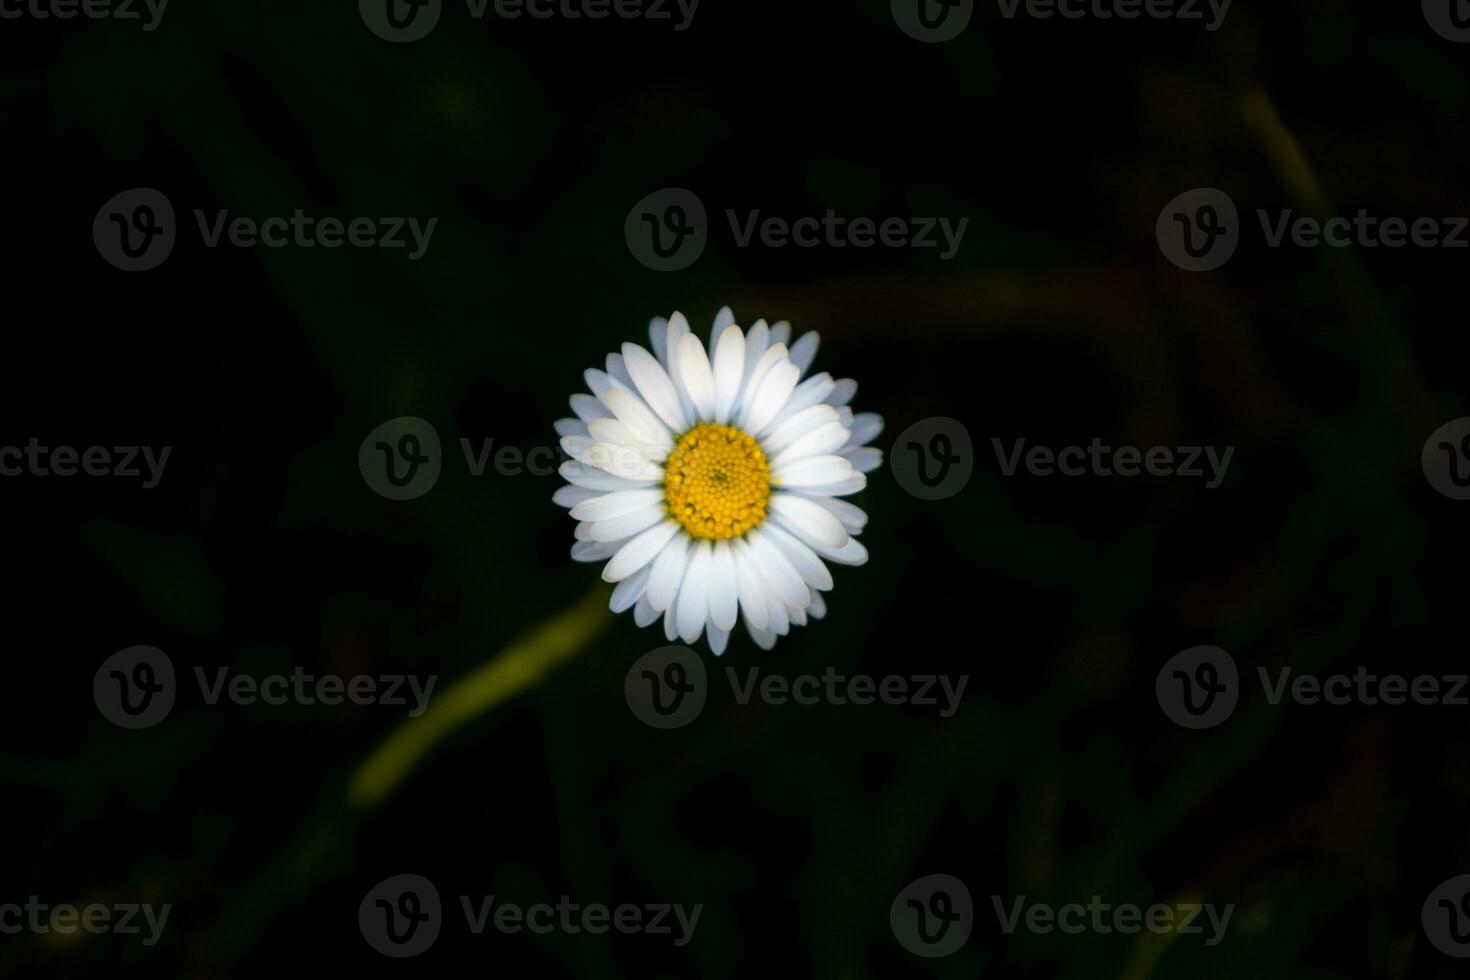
[933, 916]
[1449, 18]
[1198, 687]
[400, 459]
[1446, 917]
[135, 230]
[134, 688]
[1446, 459]
[932, 21]
[933, 458]
[400, 21]
[1199, 230]
[667, 688]
[401, 916]
[667, 230]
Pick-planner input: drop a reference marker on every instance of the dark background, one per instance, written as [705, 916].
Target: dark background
[1058, 321]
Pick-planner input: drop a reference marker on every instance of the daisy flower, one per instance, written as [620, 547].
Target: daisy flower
[711, 485]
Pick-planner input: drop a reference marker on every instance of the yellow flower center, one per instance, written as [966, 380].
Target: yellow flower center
[717, 482]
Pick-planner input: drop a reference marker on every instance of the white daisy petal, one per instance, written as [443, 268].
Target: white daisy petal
[594, 550]
[841, 488]
[802, 558]
[615, 432]
[821, 441]
[633, 412]
[668, 572]
[590, 453]
[618, 371]
[752, 593]
[723, 588]
[866, 426]
[588, 408]
[582, 532]
[782, 581]
[620, 461]
[628, 591]
[718, 639]
[853, 518]
[604, 506]
[643, 613]
[723, 319]
[757, 339]
[809, 521]
[627, 464]
[729, 371]
[637, 553]
[866, 459]
[810, 392]
[697, 376]
[813, 471]
[570, 427]
[805, 349]
[612, 432]
[781, 332]
[671, 630]
[818, 608]
[677, 328]
[595, 479]
[796, 426]
[600, 383]
[842, 392]
[767, 400]
[627, 525]
[852, 553]
[798, 617]
[761, 637]
[692, 603]
[656, 387]
[658, 336]
[779, 614]
[571, 496]
[756, 375]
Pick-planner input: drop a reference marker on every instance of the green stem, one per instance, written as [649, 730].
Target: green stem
[326, 838]
[513, 671]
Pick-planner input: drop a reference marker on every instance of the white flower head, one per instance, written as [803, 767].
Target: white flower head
[710, 482]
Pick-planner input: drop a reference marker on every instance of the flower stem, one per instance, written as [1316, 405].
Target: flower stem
[516, 668]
